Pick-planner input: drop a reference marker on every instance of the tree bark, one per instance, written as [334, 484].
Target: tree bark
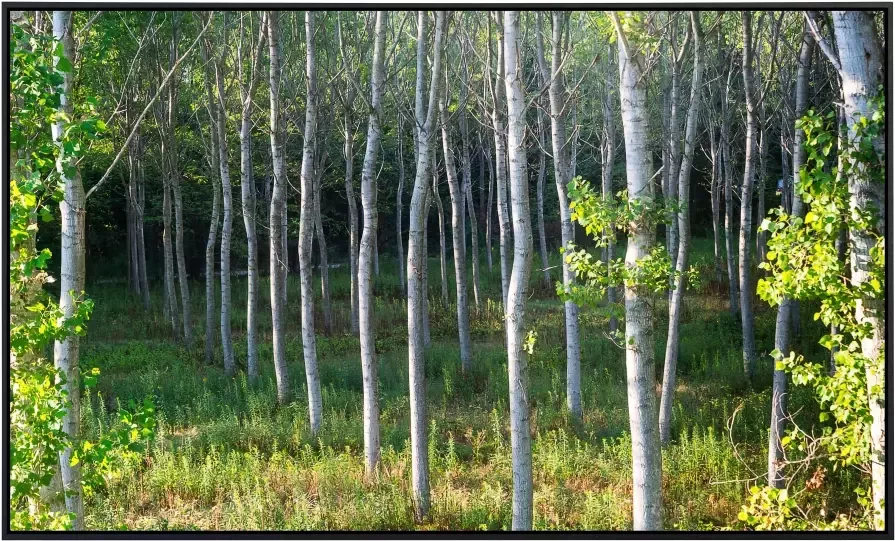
[562, 172]
[639, 353]
[466, 186]
[369, 364]
[399, 209]
[727, 159]
[277, 211]
[348, 153]
[442, 250]
[227, 227]
[500, 151]
[458, 231]
[248, 206]
[73, 213]
[306, 233]
[861, 57]
[747, 317]
[416, 294]
[514, 310]
[675, 308]
[214, 160]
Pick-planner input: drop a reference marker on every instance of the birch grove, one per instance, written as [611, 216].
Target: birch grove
[499, 370]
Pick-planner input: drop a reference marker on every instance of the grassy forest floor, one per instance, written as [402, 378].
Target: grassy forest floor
[227, 457]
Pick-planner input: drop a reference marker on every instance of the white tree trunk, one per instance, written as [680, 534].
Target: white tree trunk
[500, 151]
[542, 176]
[514, 310]
[214, 159]
[562, 172]
[672, 346]
[399, 209]
[442, 249]
[248, 208]
[306, 233]
[227, 228]
[861, 58]
[277, 215]
[639, 353]
[416, 267]
[486, 149]
[729, 241]
[73, 213]
[348, 155]
[369, 364]
[747, 317]
[466, 185]
[457, 193]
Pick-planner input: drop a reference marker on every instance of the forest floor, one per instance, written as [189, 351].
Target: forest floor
[227, 457]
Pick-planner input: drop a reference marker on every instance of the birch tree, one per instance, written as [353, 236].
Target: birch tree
[458, 231]
[747, 316]
[562, 171]
[365, 274]
[416, 294]
[277, 208]
[639, 354]
[306, 232]
[514, 310]
[672, 347]
[247, 181]
[72, 210]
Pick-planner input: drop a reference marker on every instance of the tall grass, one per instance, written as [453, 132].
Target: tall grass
[227, 456]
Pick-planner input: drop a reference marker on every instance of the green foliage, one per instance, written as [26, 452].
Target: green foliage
[39, 401]
[803, 263]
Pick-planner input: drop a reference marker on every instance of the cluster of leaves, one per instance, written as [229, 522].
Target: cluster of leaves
[772, 508]
[39, 398]
[601, 217]
[803, 263]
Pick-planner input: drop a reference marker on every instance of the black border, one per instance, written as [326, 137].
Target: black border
[885, 7]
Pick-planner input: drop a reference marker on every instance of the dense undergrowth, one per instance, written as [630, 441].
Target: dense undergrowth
[226, 456]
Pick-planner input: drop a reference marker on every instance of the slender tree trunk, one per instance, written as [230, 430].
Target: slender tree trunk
[171, 309]
[214, 159]
[639, 354]
[416, 267]
[466, 185]
[500, 151]
[227, 228]
[348, 153]
[746, 315]
[320, 235]
[457, 194]
[141, 210]
[488, 220]
[365, 277]
[73, 212]
[675, 308]
[607, 155]
[306, 233]
[277, 215]
[727, 159]
[247, 182]
[542, 175]
[520, 429]
[442, 250]
[861, 58]
[715, 193]
[562, 172]
[399, 209]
